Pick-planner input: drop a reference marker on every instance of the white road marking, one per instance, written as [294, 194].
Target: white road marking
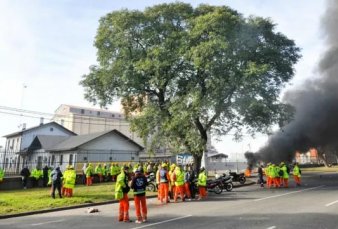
[332, 203]
[272, 227]
[56, 221]
[269, 197]
[165, 221]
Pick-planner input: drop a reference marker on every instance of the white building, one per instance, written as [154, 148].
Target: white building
[82, 120]
[100, 147]
[17, 143]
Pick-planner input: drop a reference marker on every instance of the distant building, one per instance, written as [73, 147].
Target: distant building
[17, 143]
[101, 147]
[83, 120]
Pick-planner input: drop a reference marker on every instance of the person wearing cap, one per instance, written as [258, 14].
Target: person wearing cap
[121, 194]
[56, 175]
[139, 184]
[202, 184]
[164, 183]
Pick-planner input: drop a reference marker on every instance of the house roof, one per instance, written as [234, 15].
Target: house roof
[219, 155]
[37, 127]
[47, 142]
[74, 142]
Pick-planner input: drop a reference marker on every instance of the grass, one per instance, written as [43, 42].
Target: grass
[18, 201]
[321, 169]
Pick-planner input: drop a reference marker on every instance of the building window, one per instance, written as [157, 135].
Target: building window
[61, 159]
[113, 115]
[82, 111]
[51, 129]
[98, 113]
[53, 160]
[70, 159]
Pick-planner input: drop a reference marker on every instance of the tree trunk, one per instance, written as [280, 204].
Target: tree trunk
[197, 162]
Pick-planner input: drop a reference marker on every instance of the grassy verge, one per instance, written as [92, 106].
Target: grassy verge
[19, 201]
[321, 169]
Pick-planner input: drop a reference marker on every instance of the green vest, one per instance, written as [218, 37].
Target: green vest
[202, 179]
[179, 177]
[296, 171]
[2, 174]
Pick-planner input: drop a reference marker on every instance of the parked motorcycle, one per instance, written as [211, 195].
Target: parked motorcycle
[151, 187]
[238, 177]
[226, 182]
[215, 186]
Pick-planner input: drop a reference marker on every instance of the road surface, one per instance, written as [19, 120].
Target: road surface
[313, 205]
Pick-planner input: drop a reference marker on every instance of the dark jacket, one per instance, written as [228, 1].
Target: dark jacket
[56, 175]
[25, 172]
[139, 184]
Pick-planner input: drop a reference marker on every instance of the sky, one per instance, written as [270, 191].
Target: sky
[46, 47]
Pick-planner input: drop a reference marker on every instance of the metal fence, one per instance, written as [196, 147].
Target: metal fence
[12, 164]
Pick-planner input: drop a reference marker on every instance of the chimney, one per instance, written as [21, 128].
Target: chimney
[41, 121]
[23, 126]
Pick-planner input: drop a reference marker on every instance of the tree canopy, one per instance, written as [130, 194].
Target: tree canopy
[189, 71]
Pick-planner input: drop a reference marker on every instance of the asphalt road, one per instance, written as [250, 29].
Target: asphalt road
[313, 205]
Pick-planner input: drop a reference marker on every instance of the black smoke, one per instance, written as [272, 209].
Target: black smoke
[315, 122]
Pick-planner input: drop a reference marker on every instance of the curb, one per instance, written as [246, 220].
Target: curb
[85, 205]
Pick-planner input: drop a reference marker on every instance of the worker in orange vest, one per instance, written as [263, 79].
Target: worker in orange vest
[164, 183]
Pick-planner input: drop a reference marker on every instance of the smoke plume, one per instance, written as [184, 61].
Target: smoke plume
[315, 122]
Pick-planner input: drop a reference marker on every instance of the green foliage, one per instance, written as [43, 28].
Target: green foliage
[186, 71]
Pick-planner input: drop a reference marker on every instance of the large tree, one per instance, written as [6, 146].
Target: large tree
[191, 71]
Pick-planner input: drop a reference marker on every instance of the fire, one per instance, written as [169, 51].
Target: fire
[247, 172]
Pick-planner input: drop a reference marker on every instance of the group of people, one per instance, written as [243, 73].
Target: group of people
[64, 183]
[278, 175]
[106, 172]
[172, 182]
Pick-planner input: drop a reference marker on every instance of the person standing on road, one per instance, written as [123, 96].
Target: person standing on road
[56, 181]
[25, 173]
[187, 182]
[179, 183]
[285, 177]
[260, 176]
[202, 184]
[297, 174]
[121, 194]
[139, 184]
[164, 183]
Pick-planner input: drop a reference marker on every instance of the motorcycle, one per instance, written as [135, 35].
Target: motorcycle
[151, 187]
[238, 177]
[215, 186]
[226, 182]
